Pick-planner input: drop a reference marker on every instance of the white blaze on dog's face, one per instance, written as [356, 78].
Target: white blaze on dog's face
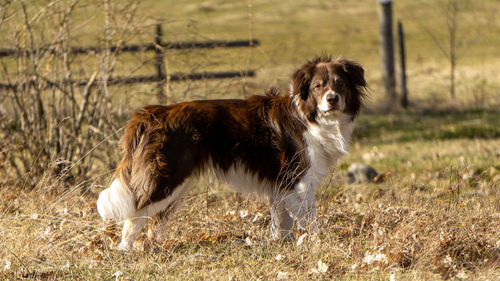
[328, 89]
[331, 100]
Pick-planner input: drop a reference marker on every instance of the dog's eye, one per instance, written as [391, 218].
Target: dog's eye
[318, 85]
[340, 83]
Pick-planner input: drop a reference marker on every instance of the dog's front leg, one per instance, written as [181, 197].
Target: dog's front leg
[302, 207]
[281, 221]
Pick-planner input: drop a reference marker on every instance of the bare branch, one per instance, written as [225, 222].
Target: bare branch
[84, 103]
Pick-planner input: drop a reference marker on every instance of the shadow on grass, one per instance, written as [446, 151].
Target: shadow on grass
[404, 127]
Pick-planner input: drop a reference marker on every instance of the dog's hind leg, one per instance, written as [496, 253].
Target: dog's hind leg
[160, 209]
[158, 229]
[131, 229]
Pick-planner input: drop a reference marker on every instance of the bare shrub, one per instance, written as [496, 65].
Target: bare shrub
[50, 124]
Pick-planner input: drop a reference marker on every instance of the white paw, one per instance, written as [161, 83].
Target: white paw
[123, 247]
[281, 235]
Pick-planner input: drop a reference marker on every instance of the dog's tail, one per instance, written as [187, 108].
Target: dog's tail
[116, 202]
[134, 180]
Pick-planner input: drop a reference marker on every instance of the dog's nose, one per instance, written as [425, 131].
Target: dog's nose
[332, 99]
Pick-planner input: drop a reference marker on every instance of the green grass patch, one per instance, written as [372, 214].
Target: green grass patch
[407, 127]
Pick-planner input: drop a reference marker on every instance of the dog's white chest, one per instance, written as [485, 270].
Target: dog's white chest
[326, 143]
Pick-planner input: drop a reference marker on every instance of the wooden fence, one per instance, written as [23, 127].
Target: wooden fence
[159, 47]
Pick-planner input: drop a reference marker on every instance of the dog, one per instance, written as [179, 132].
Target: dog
[278, 146]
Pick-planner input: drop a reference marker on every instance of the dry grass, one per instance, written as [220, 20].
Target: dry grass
[436, 215]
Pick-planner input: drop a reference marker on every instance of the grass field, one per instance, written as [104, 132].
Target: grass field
[434, 214]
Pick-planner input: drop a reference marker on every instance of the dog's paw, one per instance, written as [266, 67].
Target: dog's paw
[123, 247]
[281, 236]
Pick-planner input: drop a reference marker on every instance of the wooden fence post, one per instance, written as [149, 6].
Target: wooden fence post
[402, 60]
[160, 68]
[387, 52]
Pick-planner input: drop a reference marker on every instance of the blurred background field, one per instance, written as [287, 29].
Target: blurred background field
[434, 214]
[290, 32]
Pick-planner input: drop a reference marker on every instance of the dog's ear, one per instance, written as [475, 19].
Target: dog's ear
[355, 73]
[301, 80]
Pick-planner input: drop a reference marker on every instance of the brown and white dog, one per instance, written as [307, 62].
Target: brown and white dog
[280, 147]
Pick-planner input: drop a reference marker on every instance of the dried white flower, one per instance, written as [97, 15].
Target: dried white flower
[322, 267]
[243, 214]
[248, 241]
[257, 216]
[7, 265]
[374, 257]
[117, 275]
[283, 275]
[301, 239]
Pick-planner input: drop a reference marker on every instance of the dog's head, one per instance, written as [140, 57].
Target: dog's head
[324, 86]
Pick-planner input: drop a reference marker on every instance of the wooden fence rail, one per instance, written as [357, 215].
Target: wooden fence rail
[159, 47]
[117, 80]
[141, 48]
